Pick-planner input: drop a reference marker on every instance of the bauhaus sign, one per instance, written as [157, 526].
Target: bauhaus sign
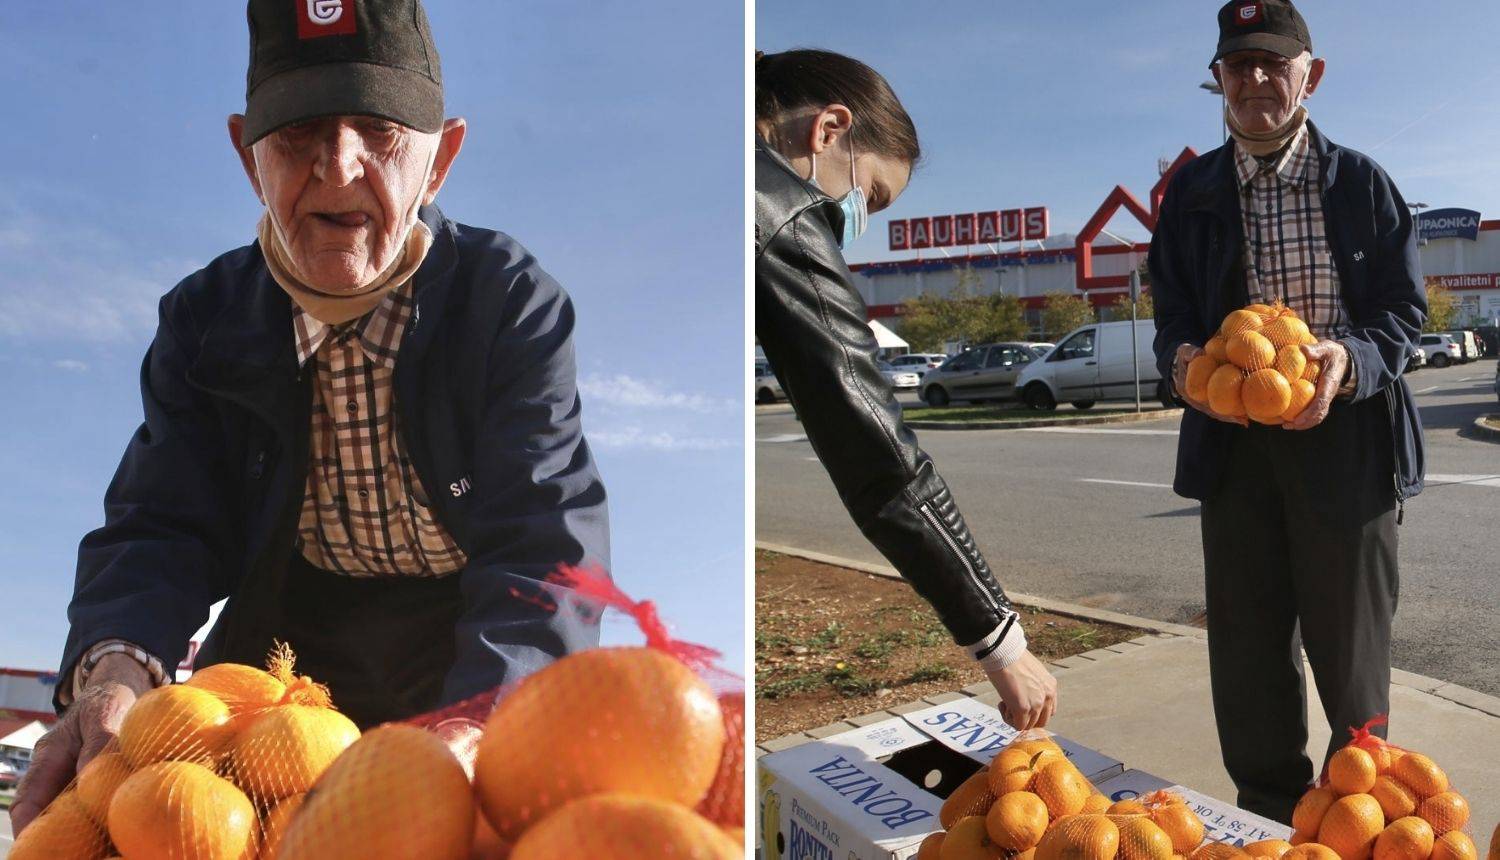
[972, 228]
[1449, 224]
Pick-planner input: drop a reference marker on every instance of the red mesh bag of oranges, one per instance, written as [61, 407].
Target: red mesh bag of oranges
[1032, 803]
[1254, 367]
[629, 752]
[1377, 800]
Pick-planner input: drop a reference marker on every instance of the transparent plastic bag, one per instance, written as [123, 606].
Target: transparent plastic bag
[622, 752]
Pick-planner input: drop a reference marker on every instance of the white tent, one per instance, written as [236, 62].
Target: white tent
[885, 338]
[23, 737]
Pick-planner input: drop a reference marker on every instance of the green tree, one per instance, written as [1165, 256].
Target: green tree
[1003, 318]
[930, 321]
[1442, 309]
[1119, 309]
[1063, 312]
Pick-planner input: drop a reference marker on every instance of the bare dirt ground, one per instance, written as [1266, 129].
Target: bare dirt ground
[833, 643]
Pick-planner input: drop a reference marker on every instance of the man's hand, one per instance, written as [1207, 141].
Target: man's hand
[89, 723]
[1334, 358]
[1028, 693]
[1185, 355]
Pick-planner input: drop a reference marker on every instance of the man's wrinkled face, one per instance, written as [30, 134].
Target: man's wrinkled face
[1262, 88]
[342, 190]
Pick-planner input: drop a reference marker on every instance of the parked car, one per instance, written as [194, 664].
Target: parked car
[1441, 349]
[919, 362]
[900, 380]
[1041, 349]
[1092, 364]
[1415, 359]
[1468, 347]
[1489, 339]
[9, 776]
[767, 387]
[985, 372]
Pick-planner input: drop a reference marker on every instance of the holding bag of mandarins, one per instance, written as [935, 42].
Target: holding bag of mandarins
[1254, 367]
[628, 752]
[1377, 800]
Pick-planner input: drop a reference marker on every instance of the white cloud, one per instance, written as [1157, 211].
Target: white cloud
[636, 438]
[71, 364]
[68, 283]
[628, 392]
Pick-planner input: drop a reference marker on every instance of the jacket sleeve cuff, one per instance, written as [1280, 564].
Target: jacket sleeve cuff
[1003, 646]
[68, 689]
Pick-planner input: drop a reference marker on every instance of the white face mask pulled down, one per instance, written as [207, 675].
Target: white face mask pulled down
[1262, 144]
[337, 308]
[856, 210]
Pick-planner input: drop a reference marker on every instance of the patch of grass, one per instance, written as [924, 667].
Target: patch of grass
[850, 683]
[929, 672]
[882, 646]
[1085, 637]
[786, 687]
[827, 638]
[771, 640]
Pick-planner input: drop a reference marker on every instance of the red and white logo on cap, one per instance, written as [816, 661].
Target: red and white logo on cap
[1247, 14]
[317, 18]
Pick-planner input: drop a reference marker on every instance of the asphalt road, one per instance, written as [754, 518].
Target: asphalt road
[1087, 515]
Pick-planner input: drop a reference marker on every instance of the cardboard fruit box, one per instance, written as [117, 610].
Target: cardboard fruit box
[1222, 821]
[873, 793]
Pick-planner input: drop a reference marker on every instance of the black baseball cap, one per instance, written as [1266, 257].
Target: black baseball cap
[312, 58]
[1262, 25]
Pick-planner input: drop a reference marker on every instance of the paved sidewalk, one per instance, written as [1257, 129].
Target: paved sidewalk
[1147, 703]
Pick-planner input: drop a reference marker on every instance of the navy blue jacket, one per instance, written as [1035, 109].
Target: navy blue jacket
[205, 502]
[1197, 278]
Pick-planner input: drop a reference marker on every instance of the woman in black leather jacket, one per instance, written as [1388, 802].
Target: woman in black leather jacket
[833, 144]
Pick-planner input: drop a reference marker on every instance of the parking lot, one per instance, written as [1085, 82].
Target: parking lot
[1087, 514]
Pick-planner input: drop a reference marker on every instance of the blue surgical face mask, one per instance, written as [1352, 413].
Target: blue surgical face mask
[856, 211]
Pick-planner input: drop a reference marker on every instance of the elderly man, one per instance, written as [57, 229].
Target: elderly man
[1299, 522]
[363, 429]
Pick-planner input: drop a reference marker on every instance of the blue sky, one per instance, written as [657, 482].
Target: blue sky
[1026, 104]
[587, 142]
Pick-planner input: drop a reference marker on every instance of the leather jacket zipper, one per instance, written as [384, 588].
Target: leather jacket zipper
[937, 523]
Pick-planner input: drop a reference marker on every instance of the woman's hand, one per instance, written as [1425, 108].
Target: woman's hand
[1028, 692]
[89, 723]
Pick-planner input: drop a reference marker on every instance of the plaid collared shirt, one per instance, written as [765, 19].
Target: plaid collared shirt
[1286, 242]
[365, 512]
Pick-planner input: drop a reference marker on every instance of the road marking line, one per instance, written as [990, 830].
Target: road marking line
[1426, 390]
[1469, 480]
[784, 437]
[1100, 430]
[1125, 483]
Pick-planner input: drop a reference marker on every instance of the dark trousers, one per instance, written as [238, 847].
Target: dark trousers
[382, 645]
[1299, 551]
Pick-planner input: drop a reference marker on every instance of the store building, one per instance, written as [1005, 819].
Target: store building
[966, 252]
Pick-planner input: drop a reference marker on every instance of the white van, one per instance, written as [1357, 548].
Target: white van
[1091, 364]
[1468, 347]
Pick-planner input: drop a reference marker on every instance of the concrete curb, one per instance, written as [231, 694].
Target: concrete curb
[1031, 424]
[1485, 431]
[1482, 702]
